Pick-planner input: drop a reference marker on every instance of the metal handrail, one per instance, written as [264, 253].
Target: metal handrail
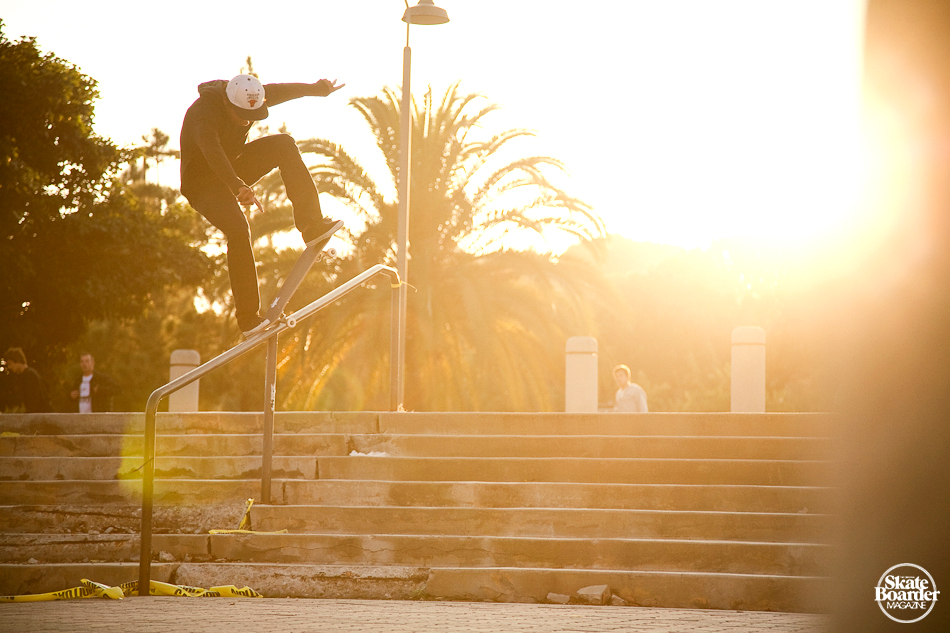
[267, 336]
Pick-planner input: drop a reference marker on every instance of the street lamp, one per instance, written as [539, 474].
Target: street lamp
[425, 12]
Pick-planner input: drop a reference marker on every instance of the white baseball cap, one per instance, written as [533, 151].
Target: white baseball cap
[246, 95]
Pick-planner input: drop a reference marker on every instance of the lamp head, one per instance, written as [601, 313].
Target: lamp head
[425, 13]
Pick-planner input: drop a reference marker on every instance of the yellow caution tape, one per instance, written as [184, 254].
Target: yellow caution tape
[89, 589]
[157, 588]
[165, 589]
[245, 523]
[92, 589]
[65, 594]
[103, 591]
[231, 591]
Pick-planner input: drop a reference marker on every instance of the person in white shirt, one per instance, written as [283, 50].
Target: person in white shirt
[630, 398]
[94, 391]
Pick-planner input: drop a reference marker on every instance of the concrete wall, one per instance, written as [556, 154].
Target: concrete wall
[184, 400]
[748, 370]
[580, 393]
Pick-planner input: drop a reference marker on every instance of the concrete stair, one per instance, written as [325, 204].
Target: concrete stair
[679, 510]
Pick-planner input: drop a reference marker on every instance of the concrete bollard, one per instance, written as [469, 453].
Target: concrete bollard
[748, 370]
[580, 387]
[186, 398]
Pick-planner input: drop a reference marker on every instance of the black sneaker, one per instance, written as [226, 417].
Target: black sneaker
[252, 325]
[321, 231]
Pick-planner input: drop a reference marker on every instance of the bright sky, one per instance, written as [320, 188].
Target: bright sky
[681, 121]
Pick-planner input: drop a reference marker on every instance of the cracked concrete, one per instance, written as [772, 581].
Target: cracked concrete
[699, 511]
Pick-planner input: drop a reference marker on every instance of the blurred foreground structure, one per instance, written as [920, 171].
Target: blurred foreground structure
[894, 478]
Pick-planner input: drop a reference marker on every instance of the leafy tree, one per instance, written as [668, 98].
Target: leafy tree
[486, 327]
[51, 161]
[75, 246]
[136, 350]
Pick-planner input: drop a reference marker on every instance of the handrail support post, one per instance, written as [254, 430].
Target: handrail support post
[270, 400]
[148, 489]
[395, 360]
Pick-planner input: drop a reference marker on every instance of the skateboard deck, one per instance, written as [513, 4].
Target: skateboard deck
[312, 254]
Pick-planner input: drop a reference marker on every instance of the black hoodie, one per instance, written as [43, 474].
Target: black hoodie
[210, 139]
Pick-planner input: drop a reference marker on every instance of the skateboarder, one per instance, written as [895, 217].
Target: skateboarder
[218, 166]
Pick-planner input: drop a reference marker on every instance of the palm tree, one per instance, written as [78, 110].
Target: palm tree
[486, 326]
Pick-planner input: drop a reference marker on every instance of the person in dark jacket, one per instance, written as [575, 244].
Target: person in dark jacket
[22, 386]
[93, 391]
[218, 166]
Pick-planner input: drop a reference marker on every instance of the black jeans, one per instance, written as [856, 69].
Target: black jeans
[212, 199]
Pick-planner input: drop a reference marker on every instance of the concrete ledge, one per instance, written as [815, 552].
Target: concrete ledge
[577, 470]
[471, 494]
[672, 590]
[799, 559]
[745, 592]
[718, 424]
[453, 494]
[83, 548]
[205, 422]
[311, 581]
[599, 446]
[713, 424]
[544, 522]
[190, 445]
[21, 579]
[125, 491]
[416, 445]
[119, 518]
[86, 468]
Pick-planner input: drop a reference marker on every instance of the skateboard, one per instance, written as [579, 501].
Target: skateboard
[311, 255]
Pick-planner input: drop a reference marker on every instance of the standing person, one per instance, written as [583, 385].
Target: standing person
[630, 398]
[218, 166]
[23, 386]
[93, 391]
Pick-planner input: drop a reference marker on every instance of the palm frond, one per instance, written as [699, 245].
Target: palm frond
[486, 323]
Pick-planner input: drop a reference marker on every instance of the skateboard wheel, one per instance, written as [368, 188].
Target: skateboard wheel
[291, 323]
[331, 252]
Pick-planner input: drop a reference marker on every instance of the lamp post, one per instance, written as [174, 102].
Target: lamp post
[425, 12]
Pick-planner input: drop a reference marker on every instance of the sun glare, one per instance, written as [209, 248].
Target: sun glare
[680, 123]
[756, 138]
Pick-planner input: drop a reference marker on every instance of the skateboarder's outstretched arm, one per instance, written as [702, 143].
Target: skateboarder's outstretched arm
[279, 93]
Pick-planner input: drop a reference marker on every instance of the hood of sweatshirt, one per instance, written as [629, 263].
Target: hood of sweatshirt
[215, 87]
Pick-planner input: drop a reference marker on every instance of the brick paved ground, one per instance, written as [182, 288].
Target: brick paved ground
[224, 615]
